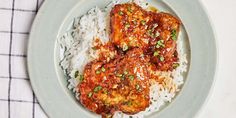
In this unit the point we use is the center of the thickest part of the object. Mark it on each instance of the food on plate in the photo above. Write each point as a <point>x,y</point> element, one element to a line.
<point>124,60</point>
<point>155,33</point>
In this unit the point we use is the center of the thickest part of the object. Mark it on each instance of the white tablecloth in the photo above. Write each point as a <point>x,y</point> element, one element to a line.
<point>16,97</point>
<point>18,101</point>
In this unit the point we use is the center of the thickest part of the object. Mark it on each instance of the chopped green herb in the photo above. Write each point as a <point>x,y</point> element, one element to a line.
<point>134,21</point>
<point>90,94</point>
<point>160,43</point>
<point>123,77</point>
<point>105,91</point>
<point>125,72</point>
<point>125,48</point>
<point>129,103</point>
<point>150,33</point>
<point>142,55</point>
<point>174,34</point>
<point>162,58</point>
<point>143,22</point>
<point>120,13</point>
<point>76,74</point>
<point>156,53</point>
<point>157,34</point>
<point>98,71</point>
<point>118,75</point>
<point>175,65</point>
<point>81,77</point>
<point>94,48</point>
<point>98,88</point>
<point>103,69</point>
<point>127,25</point>
<point>129,9</point>
<point>137,87</point>
<point>131,77</point>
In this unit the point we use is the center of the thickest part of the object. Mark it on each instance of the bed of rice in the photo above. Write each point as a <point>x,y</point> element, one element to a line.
<point>76,51</point>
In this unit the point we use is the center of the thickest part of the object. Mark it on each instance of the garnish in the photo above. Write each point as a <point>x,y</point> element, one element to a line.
<point>119,75</point>
<point>81,77</point>
<point>131,77</point>
<point>125,47</point>
<point>137,87</point>
<point>160,43</point>
<point>94,48</point>
<point>174,34</point>
<point>134,21</point>
<point>175,65</point>
<point>129,9</point>
<point>103,69</point>
<point>125,72</point>
<point>90,94</point>
<point>127,25</point>
<point>162,58</point>
<point>129,103</point>
<point>156,53</point>
<point>76,74</point>
<point>98,88</point>
<point>120,13</point>
<point>143,22</point>
<point>98,71</point>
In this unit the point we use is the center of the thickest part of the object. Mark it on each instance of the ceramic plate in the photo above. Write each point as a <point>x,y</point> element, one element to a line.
<point>55,18</point>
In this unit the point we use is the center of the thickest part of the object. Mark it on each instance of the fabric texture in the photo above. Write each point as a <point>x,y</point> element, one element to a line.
<point>17,99</point>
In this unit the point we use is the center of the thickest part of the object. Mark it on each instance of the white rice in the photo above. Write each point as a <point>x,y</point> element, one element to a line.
<point>76,51</point>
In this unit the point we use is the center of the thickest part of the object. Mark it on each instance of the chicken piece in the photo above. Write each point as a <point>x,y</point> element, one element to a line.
<point>155,33</point>
<point>120,85</point>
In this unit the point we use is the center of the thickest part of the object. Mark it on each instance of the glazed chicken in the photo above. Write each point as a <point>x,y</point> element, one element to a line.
<point>141,42</point>
<point>121,85</point>
<point>155,33</point>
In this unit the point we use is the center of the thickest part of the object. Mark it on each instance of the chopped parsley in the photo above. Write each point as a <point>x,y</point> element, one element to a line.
<point>105,91</point>
<point>175,65</point>
<point>143,22</point>
<point>134,21</point>
<point>129,9</point>
<point>125,72</point>
<point>120,13</point>
<point>137,87</point>
<point>162,58</point>
<point>81,77</point>
<point>125,48</point>
<point>156,53</point>
<point>94,48</point>
<point>129,103</point>
<point>118,75</point>
<point>160,43</point>
<point>76,74</point>
<point>90,94</point>
<point>174,34</point>
<point>123,77</point>
<point>98,71</point>
<point>127,25</point>
<point>97,88</point>
<point>103,69</point>
<point>131,77</point>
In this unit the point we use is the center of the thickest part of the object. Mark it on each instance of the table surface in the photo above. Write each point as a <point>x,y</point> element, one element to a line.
<point>14,78</point>
<point>222,101</point>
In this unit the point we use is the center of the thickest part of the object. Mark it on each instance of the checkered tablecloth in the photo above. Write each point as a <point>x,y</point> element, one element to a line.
<point>17,99</point>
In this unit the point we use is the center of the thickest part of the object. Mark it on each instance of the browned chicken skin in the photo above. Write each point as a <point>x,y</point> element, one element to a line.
<point>140,41</point>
